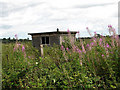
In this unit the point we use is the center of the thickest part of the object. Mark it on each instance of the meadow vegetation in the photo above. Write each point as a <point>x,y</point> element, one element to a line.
<point>94,63</point>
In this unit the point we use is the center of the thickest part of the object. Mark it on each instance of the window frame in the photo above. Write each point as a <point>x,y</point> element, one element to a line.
<point>45,40</point>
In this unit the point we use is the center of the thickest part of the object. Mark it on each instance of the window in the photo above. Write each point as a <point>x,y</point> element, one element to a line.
<point>45,40</point>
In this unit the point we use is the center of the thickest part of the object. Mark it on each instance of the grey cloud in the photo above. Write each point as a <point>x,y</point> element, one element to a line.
<point>27,6</point>
<point>92,5</point>
<point>5,26</point>
<point>5,10</point>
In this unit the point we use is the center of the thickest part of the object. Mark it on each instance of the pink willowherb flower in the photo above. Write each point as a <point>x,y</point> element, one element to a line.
<point>15,35</point>
<point>100,40</point>
<point>68,30</point>
<point>23,48</point>
<point>95,33</point>
<point>88,31</point>
<point>92,43</point>
<point>62,47</point>
<point>109,26</point>
<point>87,45</point>
<point>29,57</point>
<point>86,27</point>
<point>107,45</point>
<point>81,62</point>
<point>90,48</point>
<point>102,55</point>
<point>67,49</point>
<point>14,49</point>
<point>99,43</point>
<point>18,45</point>
<point>79,51</point>
<point>83,49</point>
<point>24,54</point>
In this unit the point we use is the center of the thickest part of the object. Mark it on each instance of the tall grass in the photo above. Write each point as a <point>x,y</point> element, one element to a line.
<point>93,64</point>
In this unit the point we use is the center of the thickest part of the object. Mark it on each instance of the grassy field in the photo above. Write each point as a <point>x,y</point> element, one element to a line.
<point>86,64</point>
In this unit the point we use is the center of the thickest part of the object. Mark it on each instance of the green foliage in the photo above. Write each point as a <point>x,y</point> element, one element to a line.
<point>66,66</point>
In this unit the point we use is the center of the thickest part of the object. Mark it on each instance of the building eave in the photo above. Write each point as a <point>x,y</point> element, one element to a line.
<point>60,32</point>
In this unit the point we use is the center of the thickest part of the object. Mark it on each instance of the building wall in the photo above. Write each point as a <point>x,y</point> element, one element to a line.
<point>53,39</point>
<point>36,42</point>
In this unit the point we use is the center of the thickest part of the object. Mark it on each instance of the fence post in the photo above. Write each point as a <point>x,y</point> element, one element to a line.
<point>41,50</point>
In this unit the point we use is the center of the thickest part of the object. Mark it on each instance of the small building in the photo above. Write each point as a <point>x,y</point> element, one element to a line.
<point>49,38</point>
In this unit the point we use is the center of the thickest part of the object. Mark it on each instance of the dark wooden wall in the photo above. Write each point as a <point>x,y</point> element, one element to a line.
<point>53,39</point>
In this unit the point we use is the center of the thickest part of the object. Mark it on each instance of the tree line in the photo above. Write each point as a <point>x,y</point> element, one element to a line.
<point>10,40</point>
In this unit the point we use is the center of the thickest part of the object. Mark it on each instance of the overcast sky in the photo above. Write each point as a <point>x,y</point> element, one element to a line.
<point>32,16</point>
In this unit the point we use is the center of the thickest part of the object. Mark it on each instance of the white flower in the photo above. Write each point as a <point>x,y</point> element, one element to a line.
<point>36,62</point>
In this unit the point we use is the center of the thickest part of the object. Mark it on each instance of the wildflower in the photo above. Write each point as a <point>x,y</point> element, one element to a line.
<point>62,47</point>
<point>18,44</point>
<point>95,33</point>
<point>94,39</point>
<point>88,45</point>
<point>83,49</point>
<point>75,47</point>
<point>36,62</point>
<point>23,48</point>
<point>92,43</point>
<point>109,26</point>
<point>102,55</point>
<point>107,45</point>
<point>29,57</point>
<point>81,62</point>
<point>15,35</point>
<point>79,51</point>
<point>14,49</point>
<point>68,30</point>
<point>100,40</point>
<point>88,31</point>
<point>24,54</point>
<point>67,49</point>
<point>90,48</point>
<point>63,41</point>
